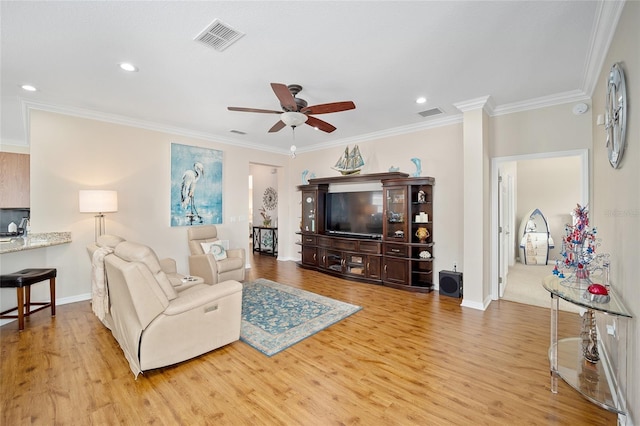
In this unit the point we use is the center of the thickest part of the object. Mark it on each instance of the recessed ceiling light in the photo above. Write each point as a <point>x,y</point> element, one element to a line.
<point>421,100</point>
<point>128,67</point>
<point>28,88</point>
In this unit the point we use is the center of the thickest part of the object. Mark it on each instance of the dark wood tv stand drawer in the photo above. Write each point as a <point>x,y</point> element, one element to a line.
<point>342,244</point>
<point>325,242</point>
<point>399,250</point>
<point>369,247</point>
<point>309,240</point>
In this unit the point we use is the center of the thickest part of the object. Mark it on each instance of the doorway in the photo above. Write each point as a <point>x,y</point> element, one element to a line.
<point>263,208</point>
<point>543,182</point>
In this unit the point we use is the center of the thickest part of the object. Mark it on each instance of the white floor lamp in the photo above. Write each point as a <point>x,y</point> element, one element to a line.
<point>100,202</point>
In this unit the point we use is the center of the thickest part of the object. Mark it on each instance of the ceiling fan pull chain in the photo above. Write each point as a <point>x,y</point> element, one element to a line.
<point>293,146</point>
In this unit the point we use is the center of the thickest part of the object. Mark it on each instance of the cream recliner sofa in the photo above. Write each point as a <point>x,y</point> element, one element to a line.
<point>160,321</point>
<point>205,265</point>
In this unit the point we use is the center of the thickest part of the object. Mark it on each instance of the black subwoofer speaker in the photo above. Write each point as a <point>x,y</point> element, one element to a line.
<point>451,283</point>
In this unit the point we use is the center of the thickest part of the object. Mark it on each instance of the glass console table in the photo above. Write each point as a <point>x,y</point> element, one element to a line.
<point>587,363</point>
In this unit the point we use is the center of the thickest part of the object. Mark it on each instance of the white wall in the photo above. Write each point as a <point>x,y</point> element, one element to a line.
<point>615,209</point>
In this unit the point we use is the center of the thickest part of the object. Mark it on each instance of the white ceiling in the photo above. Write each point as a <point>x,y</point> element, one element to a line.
<point>380,54</point>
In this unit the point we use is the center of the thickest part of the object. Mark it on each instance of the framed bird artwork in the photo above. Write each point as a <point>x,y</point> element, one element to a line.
<point>196,185</point>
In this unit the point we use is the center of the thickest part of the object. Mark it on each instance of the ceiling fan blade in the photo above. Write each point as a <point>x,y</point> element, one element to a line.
<point>284,96</point>
<point>320,125</point>
<point>266,111</point>
<point>277,127</point>
<point>327,108</point>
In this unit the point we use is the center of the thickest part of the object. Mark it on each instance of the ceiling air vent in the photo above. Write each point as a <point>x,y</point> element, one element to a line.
<point>430,112</point>
<point>219,35</point>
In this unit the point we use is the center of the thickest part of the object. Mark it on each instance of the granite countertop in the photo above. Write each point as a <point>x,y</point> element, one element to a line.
<point>34,241</point>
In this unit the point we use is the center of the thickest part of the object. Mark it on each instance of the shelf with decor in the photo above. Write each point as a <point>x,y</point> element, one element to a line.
<point>408,233</point>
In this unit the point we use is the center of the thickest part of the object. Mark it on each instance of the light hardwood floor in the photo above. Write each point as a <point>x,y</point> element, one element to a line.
<point>404,359</point>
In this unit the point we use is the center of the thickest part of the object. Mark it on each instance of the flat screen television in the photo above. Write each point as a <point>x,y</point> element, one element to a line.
<point>357,214</point>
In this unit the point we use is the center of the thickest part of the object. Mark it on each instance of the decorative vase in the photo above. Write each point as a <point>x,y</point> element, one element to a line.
<point>266,223</point>
<point>422,233</point>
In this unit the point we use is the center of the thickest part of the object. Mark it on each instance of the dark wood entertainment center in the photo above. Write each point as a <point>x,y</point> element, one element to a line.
<point>398,258</point>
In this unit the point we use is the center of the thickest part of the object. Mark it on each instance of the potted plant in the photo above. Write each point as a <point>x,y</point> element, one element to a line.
<point>266,217</point>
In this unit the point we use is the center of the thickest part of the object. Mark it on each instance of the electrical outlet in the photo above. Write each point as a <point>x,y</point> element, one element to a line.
<point>455,266</point>
<point>611,330</point>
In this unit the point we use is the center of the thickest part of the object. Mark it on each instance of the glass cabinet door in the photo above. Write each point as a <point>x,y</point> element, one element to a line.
<point>395,228</point>
<point>334,260</point>
<point>355,264</point>
<point>309,203</point>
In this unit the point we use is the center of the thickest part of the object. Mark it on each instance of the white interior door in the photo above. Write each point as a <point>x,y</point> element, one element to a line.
<point>505,212</point>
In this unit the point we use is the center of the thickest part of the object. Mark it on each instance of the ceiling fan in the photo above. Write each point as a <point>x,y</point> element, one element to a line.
<point>295,110</point>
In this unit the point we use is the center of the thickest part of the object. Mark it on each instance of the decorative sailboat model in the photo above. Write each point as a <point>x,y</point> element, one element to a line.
<point>350,162</point>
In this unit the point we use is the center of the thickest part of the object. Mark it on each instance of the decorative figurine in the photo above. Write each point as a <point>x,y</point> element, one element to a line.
<point>350,163</point>
<point>418,164</point>
<point>306,176</point>
<point>424,254</point>
<point>597,293</point>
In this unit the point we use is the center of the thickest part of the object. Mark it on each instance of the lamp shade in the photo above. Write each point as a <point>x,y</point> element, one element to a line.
<point>98,201</point>
<point>293,119</point>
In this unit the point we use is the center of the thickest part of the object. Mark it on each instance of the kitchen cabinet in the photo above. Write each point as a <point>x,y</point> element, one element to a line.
<point>14,180</point>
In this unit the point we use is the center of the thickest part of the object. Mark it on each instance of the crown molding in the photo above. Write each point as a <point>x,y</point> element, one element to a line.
<point>485,102</point>
<point>604,29</point>
<point>542,102</point>
<point>28,105</point>
<point>142,124</point>
<point>396,131</point>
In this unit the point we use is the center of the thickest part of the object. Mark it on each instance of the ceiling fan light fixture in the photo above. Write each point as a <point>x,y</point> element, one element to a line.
<point>293,119</point>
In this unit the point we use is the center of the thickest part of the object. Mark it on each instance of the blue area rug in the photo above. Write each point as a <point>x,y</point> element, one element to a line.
<point>276,316</point>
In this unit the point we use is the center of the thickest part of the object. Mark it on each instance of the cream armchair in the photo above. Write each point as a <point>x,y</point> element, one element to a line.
<point>155,321</point>
<point>203,263</point>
